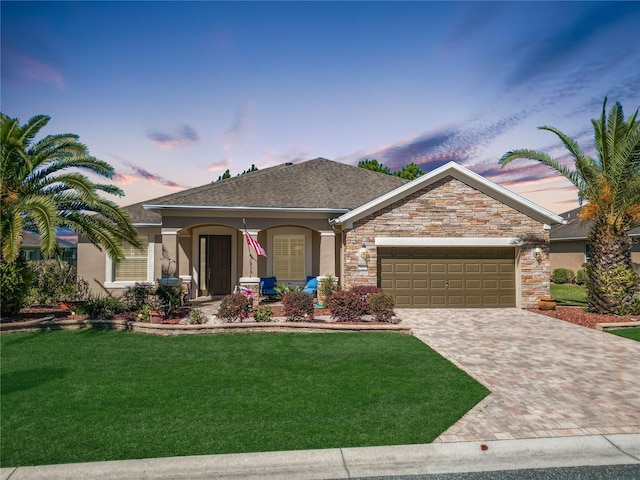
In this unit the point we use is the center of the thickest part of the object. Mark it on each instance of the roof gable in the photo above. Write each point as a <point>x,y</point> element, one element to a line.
<point>464,175</point>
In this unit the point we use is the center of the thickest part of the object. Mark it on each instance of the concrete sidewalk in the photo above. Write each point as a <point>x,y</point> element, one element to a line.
<point>342,463</point>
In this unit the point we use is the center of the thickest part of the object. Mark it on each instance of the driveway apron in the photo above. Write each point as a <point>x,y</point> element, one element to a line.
<point>548,378</point>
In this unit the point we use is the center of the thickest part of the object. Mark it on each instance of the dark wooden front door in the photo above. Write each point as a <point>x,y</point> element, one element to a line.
<point>215,255</point>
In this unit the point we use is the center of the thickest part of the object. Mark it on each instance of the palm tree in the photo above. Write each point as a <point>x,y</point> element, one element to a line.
<point>41,188</point>
<point>610,184</point>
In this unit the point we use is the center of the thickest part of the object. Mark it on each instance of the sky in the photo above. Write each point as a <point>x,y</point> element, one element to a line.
<point>174,93</point>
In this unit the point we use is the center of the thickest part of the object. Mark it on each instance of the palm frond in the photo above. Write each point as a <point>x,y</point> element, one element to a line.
<point>546,159</point>
<point>569,143</point>
<point>43,212</point>
<point>12,226</point>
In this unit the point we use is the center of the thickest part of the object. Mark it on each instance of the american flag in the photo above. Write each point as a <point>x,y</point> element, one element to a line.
<point>257,248</point>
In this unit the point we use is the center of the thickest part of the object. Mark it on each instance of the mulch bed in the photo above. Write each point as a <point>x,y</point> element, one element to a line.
<point>574,315</point>
<point>578,316</point>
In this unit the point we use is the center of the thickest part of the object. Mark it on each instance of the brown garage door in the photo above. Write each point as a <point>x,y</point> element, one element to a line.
<point>448,277</point>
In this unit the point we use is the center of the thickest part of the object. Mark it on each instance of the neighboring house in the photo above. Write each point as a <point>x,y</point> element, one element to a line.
<point>570,247</point>
<point>67,249</point>
<point>450,238</point>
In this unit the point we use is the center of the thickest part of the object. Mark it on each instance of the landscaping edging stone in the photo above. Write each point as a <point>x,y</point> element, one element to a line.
<point>177,329</point>
<point>617,325</point>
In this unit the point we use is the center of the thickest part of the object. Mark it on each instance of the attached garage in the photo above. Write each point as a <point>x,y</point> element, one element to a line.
<point>449,277</point>
<point>449,239</point>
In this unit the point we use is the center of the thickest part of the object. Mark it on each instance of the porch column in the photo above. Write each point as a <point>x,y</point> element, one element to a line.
<point>169,258</point>
<point>249,258</point>
<point>250,277</point>
<point>184,256</point>
<point>327,253</point>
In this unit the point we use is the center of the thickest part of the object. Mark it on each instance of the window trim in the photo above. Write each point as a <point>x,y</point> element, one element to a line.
<point>110,282</point>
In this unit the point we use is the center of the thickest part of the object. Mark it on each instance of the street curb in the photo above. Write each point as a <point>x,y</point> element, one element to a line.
<point>338,463</point>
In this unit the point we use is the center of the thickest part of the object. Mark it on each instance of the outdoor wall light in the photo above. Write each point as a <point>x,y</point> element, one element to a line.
<point>537,254</point>
<point>363,258</point>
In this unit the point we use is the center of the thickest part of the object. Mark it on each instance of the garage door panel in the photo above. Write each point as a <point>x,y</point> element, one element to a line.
<point>507,268</point>
<point>489,268</point>
<point>474,284</point>
<point>420,283</point>
<point>472,268</point>
<point>420,267</point>
<point>437,268</point>
<point>446,277</point>
<point>455,268</point>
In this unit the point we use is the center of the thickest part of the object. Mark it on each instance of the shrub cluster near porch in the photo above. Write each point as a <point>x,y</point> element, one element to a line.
<point>97,395</point>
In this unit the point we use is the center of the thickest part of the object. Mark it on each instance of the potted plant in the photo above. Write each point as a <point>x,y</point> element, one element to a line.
<point>547,303</point>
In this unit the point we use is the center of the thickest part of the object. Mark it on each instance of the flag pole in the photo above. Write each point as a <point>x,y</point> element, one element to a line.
<point>248,248</point>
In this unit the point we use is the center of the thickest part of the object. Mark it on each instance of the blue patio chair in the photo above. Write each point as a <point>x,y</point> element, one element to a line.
<point>312,286</point>
<point>268,286</point>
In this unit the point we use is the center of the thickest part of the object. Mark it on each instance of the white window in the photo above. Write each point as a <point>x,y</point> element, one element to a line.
<point>134,266</point>
<point>289,257</point>
<point>137,265</point>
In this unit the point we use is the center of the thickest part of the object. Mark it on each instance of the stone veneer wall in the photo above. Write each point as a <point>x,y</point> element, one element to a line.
<point>450,208</point>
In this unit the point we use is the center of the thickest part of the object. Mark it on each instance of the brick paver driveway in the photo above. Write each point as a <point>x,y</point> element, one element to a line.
<point>547,377</point>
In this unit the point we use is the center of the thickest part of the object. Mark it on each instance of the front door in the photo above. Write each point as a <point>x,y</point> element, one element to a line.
<point>215,264</point>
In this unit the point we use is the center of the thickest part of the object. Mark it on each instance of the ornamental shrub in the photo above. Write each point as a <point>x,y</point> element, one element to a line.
<point>53,280</point>
<point>381,306</point>
<point>15,280</point>
<point>346,306</point>
<point>562,275</point>
<point>296,304</point>
<point>196,317</point>
<point>103,307</point>
<point>365,292</point>
<point>233,307</point>
<point>170,297</point>
<point>326,287</point>
<point>263,314</point>
<point>139,295</point>
<point>582,277</point>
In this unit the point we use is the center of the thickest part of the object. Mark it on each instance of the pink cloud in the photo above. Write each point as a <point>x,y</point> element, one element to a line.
<point>140,174</point>
<point>21,69</point>
<point>219,166</point>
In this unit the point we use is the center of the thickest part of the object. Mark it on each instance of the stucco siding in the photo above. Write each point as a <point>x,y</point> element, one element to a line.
<point>91,266</point>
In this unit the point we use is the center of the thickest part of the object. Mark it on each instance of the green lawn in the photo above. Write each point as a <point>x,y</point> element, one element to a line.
<point>77,396</point>
<point>632,333</point>
<point>569,295</point>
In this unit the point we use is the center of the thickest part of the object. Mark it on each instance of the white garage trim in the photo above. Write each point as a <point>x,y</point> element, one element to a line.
<point>447,241</point>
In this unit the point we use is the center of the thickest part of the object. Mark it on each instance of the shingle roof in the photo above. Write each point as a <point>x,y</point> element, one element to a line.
<point>575,228</point>
<point>313,184</point>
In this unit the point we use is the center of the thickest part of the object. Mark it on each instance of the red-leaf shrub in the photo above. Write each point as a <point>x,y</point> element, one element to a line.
<point>296,304</point>
<point>346,306</point>
<point>381,306</point>
<point>234,307</point>
<point>365,292</point>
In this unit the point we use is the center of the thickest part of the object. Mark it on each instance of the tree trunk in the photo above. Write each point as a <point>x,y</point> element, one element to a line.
<point>612,284</point>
